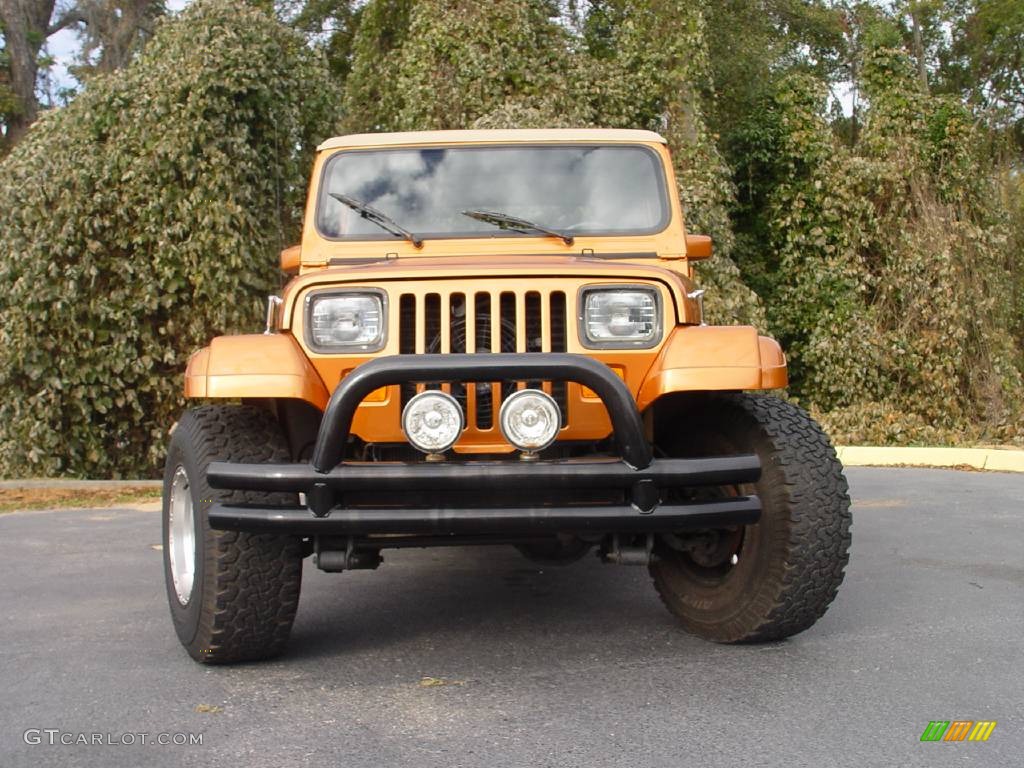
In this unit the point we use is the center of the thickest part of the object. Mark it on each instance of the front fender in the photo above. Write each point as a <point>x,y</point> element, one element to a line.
<point>254,366</point>
<point>714,357</point>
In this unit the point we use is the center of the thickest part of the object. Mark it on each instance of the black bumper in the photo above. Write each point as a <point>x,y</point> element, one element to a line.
<point>487,497</point>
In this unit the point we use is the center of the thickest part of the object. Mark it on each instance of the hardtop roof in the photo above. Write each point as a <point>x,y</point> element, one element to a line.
<point>501,136</point>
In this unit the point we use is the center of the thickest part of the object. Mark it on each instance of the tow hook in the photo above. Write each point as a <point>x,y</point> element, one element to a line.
<point>628,550</point>
<point>334,556</point>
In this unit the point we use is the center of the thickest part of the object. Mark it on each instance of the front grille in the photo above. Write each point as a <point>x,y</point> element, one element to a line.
<point>484,322</point>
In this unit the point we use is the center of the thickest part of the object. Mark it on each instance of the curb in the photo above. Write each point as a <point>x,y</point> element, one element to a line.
<point>79,485</point>
<point>991,459</point>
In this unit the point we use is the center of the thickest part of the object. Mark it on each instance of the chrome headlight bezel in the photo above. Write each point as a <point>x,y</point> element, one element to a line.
<point>583,326</point>
<point>375,345</point>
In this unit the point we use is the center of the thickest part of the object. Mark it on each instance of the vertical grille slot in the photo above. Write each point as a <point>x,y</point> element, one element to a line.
<point>407,324</point>
<point>512,339</point>
<point>432,330</point>
<point>482,327</point>
<point>457,333</point>
<point>533,328</point>
<point>432,323</point>
<point>456,314</point>
<point>557,335</point>
<point>507,319</point>
<point>483,406</point>
<point>407,338</point>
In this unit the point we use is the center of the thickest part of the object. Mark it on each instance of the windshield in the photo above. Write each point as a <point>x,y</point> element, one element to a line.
<point>582,190</point>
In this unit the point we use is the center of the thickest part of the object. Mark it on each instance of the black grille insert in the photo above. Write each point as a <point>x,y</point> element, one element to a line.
<point>509,326</point>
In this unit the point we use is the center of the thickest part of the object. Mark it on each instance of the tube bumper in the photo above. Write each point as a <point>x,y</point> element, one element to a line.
<point>634,493</point>
<point>743,510</point>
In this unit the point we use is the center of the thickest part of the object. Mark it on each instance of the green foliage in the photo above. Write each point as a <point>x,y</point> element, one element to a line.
<point>8,104</point>
<point>431,64</point>
<point>371,99</point>
<point>331,25</point>
<point>984,60</point>
<point>891,290</point>
<point>112,33</point>
<point>141,220</point>
<point>465,59</point>
<point>752,43</point>
<point>1012,190</point>
<point>662,87</point>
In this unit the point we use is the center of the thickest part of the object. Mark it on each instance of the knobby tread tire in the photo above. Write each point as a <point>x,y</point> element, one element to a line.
<point>247,584</point>
<point>805,543</point>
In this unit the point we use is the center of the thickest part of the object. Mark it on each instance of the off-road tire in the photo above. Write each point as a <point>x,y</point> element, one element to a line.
<point>790,564</point>
<point>246,586</point>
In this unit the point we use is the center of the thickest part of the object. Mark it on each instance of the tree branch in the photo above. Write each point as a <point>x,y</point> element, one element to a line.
<point>69,18</point>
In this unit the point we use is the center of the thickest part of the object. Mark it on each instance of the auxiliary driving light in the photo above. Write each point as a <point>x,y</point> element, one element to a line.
<point>432,421</point>
<point>530,420</point>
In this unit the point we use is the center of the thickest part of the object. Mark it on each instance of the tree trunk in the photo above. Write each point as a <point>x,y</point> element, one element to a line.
<point>116,29</point>
<point>855,101</point>
<point>922,70</point>
<point>26,24</point>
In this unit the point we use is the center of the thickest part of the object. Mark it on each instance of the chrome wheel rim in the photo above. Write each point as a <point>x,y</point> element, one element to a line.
<point>181,533</point>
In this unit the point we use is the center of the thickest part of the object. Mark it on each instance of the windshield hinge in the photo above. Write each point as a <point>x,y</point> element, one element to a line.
<point>273,302</point>
<point>698,296</point>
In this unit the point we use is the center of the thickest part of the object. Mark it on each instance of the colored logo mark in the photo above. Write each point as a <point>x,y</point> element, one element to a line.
<point>958,730</point>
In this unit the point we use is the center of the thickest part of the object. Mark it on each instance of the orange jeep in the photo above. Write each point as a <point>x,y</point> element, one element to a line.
<point>494,337</point>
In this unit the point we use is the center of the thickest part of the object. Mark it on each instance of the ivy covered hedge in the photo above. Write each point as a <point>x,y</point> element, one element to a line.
<point>888,268</point>
<point>139,221</point>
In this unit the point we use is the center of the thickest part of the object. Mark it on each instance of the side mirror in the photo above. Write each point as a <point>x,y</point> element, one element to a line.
<point>290,259</point>
<point>698,247</point>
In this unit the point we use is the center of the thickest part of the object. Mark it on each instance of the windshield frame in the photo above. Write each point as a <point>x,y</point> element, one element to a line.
<point>660,178</point>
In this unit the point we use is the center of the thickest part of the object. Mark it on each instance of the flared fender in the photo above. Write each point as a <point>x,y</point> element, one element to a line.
<point>256,366</point>
<point>714,357</point>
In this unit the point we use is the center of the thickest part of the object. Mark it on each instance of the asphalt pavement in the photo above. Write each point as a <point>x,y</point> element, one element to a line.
<point>476,657</point>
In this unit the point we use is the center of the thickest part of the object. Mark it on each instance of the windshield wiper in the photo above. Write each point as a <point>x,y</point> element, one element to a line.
<point>504,221</point>
<point>379,218</point>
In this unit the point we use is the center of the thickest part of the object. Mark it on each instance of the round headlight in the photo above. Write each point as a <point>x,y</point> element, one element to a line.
<point>432,421</point>
<point>530,419</point>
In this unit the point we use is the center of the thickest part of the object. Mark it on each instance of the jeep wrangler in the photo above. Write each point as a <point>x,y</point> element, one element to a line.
<point>494,337</point>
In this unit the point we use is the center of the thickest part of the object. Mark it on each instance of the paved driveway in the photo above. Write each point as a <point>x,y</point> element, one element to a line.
<point>577,666</point>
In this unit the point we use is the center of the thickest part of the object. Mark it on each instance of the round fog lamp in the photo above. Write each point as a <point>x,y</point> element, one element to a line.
<point>432,421</point>
<point>530,419</point>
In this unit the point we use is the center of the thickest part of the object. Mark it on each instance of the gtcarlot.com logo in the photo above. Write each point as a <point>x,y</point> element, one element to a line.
<point>958,730</point>
<point>56,737</point>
